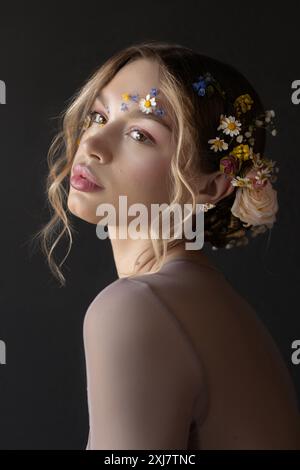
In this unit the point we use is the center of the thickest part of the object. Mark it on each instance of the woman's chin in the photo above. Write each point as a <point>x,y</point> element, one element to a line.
<point>82,210</point>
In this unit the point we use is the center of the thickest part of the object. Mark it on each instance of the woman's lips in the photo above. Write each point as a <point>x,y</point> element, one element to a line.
<point>83,180</point>
<point>83,184</point>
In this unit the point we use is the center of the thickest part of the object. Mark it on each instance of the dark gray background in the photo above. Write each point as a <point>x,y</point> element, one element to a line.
<point>46,54</point>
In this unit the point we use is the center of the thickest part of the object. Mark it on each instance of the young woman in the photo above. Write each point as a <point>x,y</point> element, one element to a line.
<point>175,357</point>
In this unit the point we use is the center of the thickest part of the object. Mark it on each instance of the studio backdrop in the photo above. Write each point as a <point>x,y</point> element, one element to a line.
<point>47,51</point>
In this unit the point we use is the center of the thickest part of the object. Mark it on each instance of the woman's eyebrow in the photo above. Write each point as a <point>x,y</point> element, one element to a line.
<point>135,112</point>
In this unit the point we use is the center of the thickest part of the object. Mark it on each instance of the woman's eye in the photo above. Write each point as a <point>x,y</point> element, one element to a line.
<point>138,133</point>
<point>92,117</point>
<point>97,117</point>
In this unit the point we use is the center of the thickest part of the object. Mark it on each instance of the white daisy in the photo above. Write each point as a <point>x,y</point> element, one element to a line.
<point>218,144</point>
<point>241,182</point>
<point>147,104</point>
<point>230,125</point>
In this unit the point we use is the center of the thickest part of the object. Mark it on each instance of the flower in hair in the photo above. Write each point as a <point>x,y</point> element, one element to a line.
<point>229,165</point>
<point>256,206</point>
<point>243,103</point>
<point>218,144</point>
<point>206,84</point>
<point>230,125</point>
<point>255,202</point>
<point>242,152</point>
<point>242,182</point>
<point>200,86</point>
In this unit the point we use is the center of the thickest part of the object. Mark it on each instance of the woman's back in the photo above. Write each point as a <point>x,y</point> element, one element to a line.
<point>250,393</point>
<point>239,391</point>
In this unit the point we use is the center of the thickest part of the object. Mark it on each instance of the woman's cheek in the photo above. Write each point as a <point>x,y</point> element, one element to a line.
<point>148,170</point>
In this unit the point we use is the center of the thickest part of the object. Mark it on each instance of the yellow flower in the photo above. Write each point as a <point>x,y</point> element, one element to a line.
<point>125,96</point>
<point>243,103</point>
<point>242,152</point>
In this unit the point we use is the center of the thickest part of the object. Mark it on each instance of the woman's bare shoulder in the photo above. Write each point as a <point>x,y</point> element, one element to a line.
<point>133,349</point>
<point>119,302</point>
<point>132,308</point>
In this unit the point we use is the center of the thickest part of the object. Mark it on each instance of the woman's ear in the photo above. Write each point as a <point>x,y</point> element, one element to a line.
<point>214,187</point>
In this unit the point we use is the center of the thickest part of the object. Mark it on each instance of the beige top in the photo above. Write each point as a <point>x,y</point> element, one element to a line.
<point>179,360</point>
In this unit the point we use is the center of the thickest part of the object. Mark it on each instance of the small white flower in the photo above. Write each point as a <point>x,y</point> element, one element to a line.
<point>147,104</point>
<point>218,144</point>
<point>252,141</point>
<point>229,245</point>
<point>230,125</point>
<point>263,174</point>
<point>248,134</point>
<point>258,122</point>
<point>267,119</point>
<point>270,113</point>
<point>240,138</point>
<point>241,182</point>
<point>274,132</point>
<point>257,161</point>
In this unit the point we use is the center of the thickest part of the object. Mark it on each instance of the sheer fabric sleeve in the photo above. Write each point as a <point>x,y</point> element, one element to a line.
<point>142,376</point>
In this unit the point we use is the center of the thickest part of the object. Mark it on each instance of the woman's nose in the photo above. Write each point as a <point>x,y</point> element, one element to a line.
<point>94,147</point>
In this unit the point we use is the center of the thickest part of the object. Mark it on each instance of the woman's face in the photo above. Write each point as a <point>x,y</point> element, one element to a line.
<point>131,153</point>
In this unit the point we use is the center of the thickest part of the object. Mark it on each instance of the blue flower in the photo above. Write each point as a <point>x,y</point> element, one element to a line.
<point>134,97</point>
<point>124,107</point>
<point>159,112</point>
<point>201,85</point>
<point>153,92</point>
